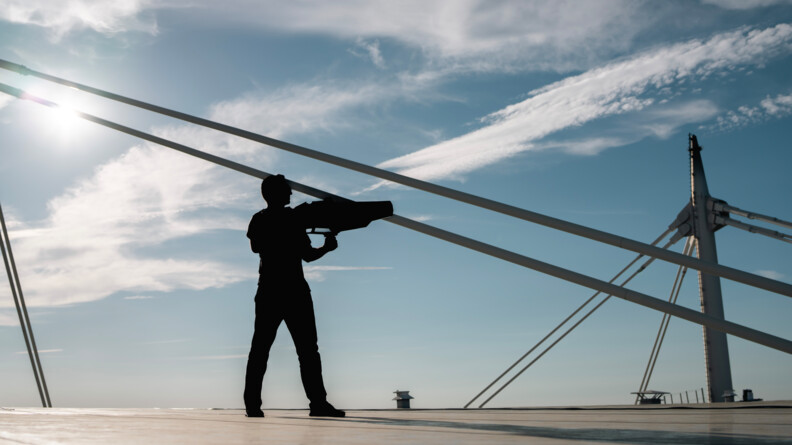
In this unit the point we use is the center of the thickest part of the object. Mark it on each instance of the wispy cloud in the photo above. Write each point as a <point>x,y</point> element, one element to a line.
<point>772,274</point>
<point>61,17</point>
<point>660,121</point>
<point>138,297</point>
<point>370,50</point>
<point>746,4</point>
<point>769,108</point>
<point>299,108</point>
<point>318,273</point>
<point>618,88</point>
<point>778,106</point>
<point>143,198</point>
<point>42,351</point>
<point>471,35</point>
<point>421,218</point>
<point>215,357</point>
<point>463,35</point>
<point>97,228</point>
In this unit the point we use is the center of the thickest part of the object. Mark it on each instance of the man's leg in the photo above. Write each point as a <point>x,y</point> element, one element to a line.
<point>302,325</point>
<point>268,318</point>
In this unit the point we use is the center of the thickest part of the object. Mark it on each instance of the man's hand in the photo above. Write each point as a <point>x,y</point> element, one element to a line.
<point>330,243</point>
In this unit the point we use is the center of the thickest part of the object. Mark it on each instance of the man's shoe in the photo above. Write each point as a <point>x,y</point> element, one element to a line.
<point>254,413</point>
<point>324,409</point>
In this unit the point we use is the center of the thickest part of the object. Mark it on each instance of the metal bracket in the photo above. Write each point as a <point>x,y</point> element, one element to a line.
<point>683,224</point>
<point>716,210</point>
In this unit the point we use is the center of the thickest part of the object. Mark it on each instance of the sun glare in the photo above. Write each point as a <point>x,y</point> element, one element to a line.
<point>61,123</point>
<point>63,119</point>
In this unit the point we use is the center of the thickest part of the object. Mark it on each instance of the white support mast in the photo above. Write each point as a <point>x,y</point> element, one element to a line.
<point>716,348</point>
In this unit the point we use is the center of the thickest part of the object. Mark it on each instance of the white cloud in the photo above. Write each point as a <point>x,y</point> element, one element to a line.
<point>451,35</point>
<point>421,218</point>
<point>661,121</point>
<point>89,245</point>
<point>84,250</point>
<point>299,108</point>
<point>740,117</point>
<point>61,17</point>
<point>292,109</point>
<point>780,105</point>
<point>477,35</point>
<point>372,51</point>
<point>771,274</point>
<point>617,88</point>
<point>317,273</point>
<point>470,34</point>
<point>138,297</point>
<point>746,4</point>
<point>42,351</point>
<point>216,357</point>
<point>769,108</point>
<point>587,146</point>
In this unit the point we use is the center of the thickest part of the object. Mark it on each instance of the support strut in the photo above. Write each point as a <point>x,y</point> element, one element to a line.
<point>716,347</point>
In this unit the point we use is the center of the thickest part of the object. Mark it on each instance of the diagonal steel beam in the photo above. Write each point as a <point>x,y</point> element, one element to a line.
<point>728,327</point>
<point>489,204</point>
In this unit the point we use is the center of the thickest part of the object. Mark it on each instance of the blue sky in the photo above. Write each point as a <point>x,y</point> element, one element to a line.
<point>134,261</point>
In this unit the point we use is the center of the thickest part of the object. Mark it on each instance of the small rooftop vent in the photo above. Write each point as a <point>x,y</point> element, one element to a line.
<point>402,399</point>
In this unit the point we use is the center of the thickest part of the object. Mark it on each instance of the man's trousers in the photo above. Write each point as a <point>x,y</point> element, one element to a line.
<point>294,306</point>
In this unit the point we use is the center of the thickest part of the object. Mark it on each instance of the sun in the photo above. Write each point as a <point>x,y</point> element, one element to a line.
<point>64,119</point>
<point>62,122</point>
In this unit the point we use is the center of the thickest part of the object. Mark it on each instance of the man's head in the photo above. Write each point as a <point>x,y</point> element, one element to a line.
<point>276,191</point>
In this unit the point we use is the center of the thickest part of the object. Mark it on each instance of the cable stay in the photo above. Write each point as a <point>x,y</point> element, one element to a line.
<point>721,216</point>
<point>22,313</point>
<point>675,288</point>
<point>723,207</point>
<point>672,241</point>
<point>499,207</point>
<point>562,323</point>
<point>753,229</point>
<point>715,323</point>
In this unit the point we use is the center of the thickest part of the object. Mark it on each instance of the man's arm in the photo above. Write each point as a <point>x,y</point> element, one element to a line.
<point>314,254</point>
<point>253,233</point>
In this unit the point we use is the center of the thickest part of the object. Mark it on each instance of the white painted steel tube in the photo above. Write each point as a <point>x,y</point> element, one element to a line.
<point>676,288</point>
<point>24,320</point>
<point>506,209</point>
<point>644,382</point>
<point>569,317</point>
<point>573,327</point>
<point>594,283</point>
<point>728,327</point>
<point>753,215</point>
<point>754,229</point>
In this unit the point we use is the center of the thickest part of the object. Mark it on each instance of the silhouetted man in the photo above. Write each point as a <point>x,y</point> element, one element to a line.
<point>277,234</point>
